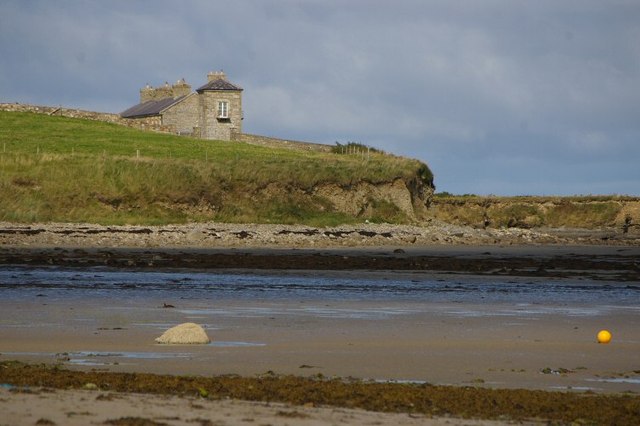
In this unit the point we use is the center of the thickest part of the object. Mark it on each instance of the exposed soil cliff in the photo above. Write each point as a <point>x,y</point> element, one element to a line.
<point>621,213</point>
<point>366,200</point>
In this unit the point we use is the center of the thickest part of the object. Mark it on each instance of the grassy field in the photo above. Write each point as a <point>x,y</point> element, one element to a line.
<point>72,170</point>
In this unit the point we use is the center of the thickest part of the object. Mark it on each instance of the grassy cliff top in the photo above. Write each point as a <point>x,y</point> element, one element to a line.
<point>73,170</point>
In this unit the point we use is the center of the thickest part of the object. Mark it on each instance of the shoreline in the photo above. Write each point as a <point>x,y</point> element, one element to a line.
<point>602,263</point>
<point>229,235</point>
<point>437,247</point>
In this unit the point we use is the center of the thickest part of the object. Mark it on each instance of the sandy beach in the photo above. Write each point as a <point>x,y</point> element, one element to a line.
<point>477,347</point>
<point>83,407</point>
<point>501,346</point>
<point>487,344</point>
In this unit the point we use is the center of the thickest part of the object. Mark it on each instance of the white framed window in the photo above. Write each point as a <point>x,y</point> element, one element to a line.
<point>223,109</point>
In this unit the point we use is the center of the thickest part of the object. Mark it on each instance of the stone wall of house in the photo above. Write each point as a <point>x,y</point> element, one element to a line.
<point>279,143</point>
<point>148,123</point>
<point>212,127</point>
<point>153,123</point>
<point>183,117</point>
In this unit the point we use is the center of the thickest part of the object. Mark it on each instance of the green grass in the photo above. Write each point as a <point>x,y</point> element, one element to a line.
<point>72,170</point>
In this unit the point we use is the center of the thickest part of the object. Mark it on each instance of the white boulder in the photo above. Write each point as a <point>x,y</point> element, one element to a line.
<point>184,334</point>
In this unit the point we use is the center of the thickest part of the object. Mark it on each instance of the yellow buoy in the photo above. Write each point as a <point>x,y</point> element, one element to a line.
<point>604,336</point>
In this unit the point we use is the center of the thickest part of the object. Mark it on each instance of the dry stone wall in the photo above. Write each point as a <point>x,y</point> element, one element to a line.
<point>149,123</point>
<point>278,143</point>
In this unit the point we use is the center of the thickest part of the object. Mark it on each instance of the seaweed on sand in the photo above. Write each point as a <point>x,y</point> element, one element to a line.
<point>467,402</point>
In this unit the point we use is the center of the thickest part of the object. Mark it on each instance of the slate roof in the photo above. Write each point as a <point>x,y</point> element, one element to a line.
<point>219,84</point>
<point>150,108</point>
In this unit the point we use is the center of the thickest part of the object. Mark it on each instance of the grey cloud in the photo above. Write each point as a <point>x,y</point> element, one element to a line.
<point>489,93</point>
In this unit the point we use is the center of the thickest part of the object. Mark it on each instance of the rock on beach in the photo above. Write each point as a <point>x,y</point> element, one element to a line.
<point>184,334</point>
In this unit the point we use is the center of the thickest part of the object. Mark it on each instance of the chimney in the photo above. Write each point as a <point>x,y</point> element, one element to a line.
<point>181,88</point>
<point>164,91</point>
<point>216,75</point>
<point>147,93</point>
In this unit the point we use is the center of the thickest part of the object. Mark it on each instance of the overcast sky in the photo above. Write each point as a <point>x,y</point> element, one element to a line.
<point>506,97</point>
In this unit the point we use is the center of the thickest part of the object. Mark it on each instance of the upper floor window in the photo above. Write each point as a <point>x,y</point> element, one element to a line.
<point>223,109</point>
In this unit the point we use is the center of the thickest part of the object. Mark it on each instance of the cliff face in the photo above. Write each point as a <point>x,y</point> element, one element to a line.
<point>363,198</point>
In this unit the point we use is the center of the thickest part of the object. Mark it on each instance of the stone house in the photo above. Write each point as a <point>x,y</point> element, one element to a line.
<point>213,111</point>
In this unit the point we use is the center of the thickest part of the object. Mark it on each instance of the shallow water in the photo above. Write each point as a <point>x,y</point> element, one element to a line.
<point>23,283</point>
<point>249,314</point>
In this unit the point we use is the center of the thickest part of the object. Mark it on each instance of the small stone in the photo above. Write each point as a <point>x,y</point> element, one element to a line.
<point>184,334</point>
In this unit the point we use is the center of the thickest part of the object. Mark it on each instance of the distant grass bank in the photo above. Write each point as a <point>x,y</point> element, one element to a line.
<point>589,212</point>
<point>72,170</point>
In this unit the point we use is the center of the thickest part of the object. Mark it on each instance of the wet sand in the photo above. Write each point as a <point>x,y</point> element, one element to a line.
<point>498,345</point>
